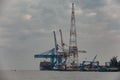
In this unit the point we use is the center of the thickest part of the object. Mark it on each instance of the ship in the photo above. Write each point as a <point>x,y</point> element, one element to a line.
<point>45,65</point>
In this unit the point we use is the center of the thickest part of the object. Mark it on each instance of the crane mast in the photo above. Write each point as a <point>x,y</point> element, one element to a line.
<point>73,49</point>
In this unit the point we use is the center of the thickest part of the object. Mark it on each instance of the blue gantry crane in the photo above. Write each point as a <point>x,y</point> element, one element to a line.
<point>55,58</point>
<point>49,54</point>
<point>54,55</point>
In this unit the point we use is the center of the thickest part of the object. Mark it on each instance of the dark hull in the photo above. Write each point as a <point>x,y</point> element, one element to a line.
<point>45,66</point>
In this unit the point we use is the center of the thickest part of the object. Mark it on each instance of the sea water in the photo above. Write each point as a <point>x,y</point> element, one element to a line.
<point>57,75</point>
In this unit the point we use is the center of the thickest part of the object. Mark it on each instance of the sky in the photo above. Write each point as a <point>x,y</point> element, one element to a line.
<point>26,29</point>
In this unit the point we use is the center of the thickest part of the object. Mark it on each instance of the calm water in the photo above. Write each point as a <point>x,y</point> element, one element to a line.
<point>56,75</point>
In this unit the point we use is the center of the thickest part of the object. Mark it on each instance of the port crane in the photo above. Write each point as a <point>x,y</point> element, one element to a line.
<point>48,54</point>
<point>53,54</point>
<point>90,65</point>
<point>67,58</point>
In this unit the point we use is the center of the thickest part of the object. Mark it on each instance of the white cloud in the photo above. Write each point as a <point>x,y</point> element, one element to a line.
<point>112,9</point>
<point>27,17</point>
<point>91,14</point>
<point>40,31</point>
<point>78,11</point>
<point>115,16</point>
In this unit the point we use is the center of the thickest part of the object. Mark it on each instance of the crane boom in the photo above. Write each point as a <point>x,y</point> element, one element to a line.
<point>94,58</point>
<point>62,43</point>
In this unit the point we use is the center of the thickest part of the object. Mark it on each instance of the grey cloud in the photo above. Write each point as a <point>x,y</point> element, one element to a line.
<point>35,35</point>
<point>3,4</point>
<point>91,4</point>
<point>117,1</point>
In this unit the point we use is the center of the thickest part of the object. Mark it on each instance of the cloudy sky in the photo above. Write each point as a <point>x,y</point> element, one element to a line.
<point>26,28</point>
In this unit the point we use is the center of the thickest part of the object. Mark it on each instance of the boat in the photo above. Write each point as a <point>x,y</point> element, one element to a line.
<point>45,65</point>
